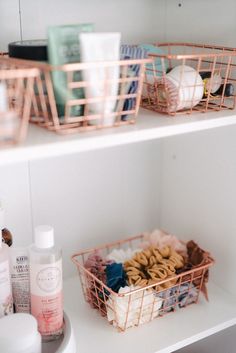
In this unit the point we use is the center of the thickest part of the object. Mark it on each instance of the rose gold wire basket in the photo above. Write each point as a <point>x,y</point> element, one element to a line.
<point>188,78</point>
<point>16,92</point>
<point>126,100</point>
<point>140,305</point>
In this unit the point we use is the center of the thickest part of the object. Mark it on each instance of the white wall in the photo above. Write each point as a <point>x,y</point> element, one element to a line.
<point>198,189</point>
<point>211,21</point>
<point>137,20</point>
<point>91,198</point>
<point>204,21</point>
<point>16,199</point>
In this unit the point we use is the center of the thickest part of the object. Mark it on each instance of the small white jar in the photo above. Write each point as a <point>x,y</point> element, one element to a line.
<point>19,334</point>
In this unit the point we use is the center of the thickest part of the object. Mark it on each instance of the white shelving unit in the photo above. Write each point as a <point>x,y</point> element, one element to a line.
<point>195,322</point>
<point>41,143</point>
<point>176,173</point>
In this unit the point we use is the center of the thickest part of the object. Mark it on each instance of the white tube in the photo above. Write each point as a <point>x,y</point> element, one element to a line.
<point>101,47</point>
<point>19,268</point>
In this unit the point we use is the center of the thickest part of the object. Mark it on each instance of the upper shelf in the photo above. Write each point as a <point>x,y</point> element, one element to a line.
<point>163,335</point>
<point>41,143</point>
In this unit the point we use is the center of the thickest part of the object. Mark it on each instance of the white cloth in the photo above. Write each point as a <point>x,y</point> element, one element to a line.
<point>141,307</point>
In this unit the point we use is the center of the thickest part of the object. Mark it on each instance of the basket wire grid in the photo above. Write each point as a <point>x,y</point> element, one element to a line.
<point>140,305</point>
<point>129,89</point>
<point>162,93</point>
<point>17,89</point>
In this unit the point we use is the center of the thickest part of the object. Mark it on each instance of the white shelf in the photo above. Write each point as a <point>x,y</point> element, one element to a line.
<point>163,335</point>
<point>41,143</point>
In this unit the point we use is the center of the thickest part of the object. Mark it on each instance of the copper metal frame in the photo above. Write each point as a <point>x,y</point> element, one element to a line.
<point>19,86</point>
<point>45,110</point>
<point>214,59</point>
<point>97,293</point>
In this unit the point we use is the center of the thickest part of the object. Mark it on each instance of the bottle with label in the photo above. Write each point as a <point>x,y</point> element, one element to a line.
<point>6,302</point>
<point>46,284</point>
<point>5,233</point>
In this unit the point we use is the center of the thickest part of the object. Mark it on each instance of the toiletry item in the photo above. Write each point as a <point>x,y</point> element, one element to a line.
<point>19,269</point>
<point>35,49</point>
<point>182,88</point>
<point>9,121</point>
<point>46,284</point>
<point>211,82</point>
<point>6,303</point>
<point>102,81</point>
<point>19,334</point>
<point>64,48</point>
<point>6,234</point>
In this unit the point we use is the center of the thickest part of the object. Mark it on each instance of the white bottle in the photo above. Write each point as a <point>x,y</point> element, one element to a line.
<point>6,302</point>
<point>46,284</point>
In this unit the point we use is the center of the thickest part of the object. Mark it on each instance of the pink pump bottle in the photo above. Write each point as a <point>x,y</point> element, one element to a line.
<point>46,284</point>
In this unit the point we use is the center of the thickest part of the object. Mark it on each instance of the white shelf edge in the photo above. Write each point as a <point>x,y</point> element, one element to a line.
<point>199,337</point>
<point>177,329</point>
<point>43,144</point>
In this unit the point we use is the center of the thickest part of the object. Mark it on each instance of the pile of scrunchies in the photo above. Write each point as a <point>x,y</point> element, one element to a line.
<point>145,279</point>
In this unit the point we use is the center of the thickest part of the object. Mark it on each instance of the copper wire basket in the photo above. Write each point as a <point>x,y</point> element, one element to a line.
<point>16,94</point>
<point>126,100</point>
<point>188,78</point>
<point>140,305</point>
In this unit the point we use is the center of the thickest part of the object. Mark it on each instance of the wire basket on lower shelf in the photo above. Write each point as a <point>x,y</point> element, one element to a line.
<point>86,96</point>
<point>188,78</point>
<point>134,305</point>
<point>16,94</point>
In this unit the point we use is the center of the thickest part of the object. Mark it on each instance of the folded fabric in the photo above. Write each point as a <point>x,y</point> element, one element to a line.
<point>115,276</point>
<point>188,294</point>
<point>121,255</point>
<point>178,297</point>
<point>128,52</point>
<point>160,239</point>
<point>134,309</point>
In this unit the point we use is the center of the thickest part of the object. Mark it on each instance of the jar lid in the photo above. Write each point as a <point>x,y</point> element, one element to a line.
<point>35,49</point>
<point>17,332</point>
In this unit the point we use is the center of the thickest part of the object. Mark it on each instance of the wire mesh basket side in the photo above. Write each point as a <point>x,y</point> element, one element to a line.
<point>190,78</point>
<point>114,102</point>
<point>139,305</point>
<point>16,91</point>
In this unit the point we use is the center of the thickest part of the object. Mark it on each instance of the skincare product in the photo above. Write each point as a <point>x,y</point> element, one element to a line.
<point>19,269</point>
<point>64,48</point>
<point>9,120</point>
<point>6,304</point>
<point>19,334</point>
<point>6,234</point>
<point>102,81</point>
<point>46,284</point>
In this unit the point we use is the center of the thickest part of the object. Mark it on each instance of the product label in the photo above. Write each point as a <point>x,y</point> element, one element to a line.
<point>6,303</point>
<point>20,283</point>
<point>46,297</point>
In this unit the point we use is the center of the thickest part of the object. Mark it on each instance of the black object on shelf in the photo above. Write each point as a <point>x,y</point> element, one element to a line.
<point>29,49</point>
<point>229,90</point>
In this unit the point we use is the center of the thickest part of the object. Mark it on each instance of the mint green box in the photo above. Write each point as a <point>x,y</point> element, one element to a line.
<point>64,48</point>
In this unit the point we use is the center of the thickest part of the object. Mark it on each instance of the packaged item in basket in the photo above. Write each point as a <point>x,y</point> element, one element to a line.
<point>102,81</point>
<point>128,52</point>
<point>182,88</point>
<point>64,48</point>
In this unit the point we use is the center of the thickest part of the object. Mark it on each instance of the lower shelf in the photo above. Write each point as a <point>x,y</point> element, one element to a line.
<point>164,335</point>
